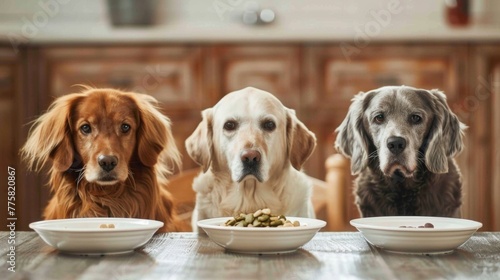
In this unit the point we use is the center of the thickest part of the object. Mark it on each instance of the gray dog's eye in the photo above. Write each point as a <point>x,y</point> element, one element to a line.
<point>379,118</point>
<point>268,125</point>
<point>230,125</point>
<point>415,119</point>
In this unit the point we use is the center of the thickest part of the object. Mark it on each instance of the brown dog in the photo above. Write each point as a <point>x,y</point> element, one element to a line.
<point>109,154</point>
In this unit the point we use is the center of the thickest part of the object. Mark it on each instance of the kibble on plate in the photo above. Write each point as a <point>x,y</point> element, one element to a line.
<point>107,226</point>
<point>426,225</point>
<point>260,218</point>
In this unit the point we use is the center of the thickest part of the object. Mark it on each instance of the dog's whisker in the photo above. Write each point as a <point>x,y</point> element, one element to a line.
<point>81,175</point>
<point>420,157</point>
<point>373,154</point>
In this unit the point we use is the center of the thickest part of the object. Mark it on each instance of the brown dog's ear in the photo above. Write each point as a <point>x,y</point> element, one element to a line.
<point>445,138</point>
<point>155,140</point>
<point>352,140</point>
<point>300,140</point>
<point>199,144</point>
<point>50,136</point>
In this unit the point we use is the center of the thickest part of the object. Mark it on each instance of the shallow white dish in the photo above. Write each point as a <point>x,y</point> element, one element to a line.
<point>255,240</point>
<point>386,233</point>
<point>83,236</point>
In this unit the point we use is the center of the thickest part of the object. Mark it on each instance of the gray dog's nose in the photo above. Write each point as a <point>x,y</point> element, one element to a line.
<point>396,144</point>
<point>107,163</point>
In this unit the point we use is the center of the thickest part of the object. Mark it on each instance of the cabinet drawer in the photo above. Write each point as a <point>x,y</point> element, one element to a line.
<point>333,80</point>
<point>171,75</point>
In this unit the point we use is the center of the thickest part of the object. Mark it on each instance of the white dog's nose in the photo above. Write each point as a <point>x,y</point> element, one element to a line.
<point>250,157</point>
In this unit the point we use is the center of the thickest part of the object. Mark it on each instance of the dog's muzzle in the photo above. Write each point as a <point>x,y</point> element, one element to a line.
<point>397,167</point>
<point>250,160</point>
<point>396,145</point>
<point>107,164</point>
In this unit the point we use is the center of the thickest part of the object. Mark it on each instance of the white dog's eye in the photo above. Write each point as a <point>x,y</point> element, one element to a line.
<point>268,125</point>
<point>415,119</point>
<point>230,125</point>
<point>379,118</point>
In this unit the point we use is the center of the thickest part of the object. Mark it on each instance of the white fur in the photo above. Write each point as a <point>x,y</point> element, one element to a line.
<point>223,189</point>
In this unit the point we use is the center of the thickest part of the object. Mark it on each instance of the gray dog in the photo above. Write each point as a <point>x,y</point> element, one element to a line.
<point>401,141</point>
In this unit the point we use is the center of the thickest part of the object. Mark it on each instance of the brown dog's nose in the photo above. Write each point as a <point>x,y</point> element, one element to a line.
<point>250,157</point>
<point>107,163</point>
<point>396,144</point>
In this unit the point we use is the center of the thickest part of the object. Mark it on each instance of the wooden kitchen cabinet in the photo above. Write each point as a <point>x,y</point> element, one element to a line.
<point>273,68</point>
<point>480,108</point>
<point>316,80</point>
<point>15,107</point>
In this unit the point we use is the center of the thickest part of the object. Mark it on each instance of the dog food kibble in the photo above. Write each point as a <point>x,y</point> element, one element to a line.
<point>107,226</point>
<point>426,225</point>
<point>260,218</point>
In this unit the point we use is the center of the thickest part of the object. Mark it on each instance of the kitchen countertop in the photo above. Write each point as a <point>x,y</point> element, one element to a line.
<point>358,22</point>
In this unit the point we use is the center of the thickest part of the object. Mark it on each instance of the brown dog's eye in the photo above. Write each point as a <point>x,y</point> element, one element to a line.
<point>125,128</point>
<point>85,129</point>
<point>268,125</point>
<point>415,119</point>
<point>230,125</point>
<point>379,119</point>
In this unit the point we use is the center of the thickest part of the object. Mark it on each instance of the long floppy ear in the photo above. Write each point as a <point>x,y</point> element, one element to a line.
<point>50,136</point>
<point>445,138</point>
<point>155,140</point>
<point>352,140</point>
<point>300,140</point>
<point>199,144</point>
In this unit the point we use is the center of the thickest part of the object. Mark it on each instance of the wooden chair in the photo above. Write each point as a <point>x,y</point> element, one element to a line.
<point>180,186</point>
<point>328,196</point>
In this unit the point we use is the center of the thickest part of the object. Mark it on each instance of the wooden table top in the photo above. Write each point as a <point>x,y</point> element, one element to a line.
<point>329,255</point>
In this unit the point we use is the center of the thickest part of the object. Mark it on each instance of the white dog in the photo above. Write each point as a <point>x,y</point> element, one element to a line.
<point>251,148</point>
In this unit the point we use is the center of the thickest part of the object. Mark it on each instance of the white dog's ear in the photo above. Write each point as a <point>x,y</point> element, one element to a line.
<point>445,138</point>
<point>300,140</point>
<point>199,144</point>
<point>352,140</point>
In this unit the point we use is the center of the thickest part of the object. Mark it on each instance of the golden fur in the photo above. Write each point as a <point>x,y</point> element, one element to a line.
<point>109,153</point>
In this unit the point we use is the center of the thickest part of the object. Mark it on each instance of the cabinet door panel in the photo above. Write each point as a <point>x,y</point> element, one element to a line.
<point>333,80</point>
<point>12,115</point>
<point>170,74</point>
<point>481,110</point>
<point>271,68</point>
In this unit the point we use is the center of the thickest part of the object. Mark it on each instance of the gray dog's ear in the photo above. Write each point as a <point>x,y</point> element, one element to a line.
<point>199,145</point>
<point>445,138</point>
<point>352,140</point>
<point>300,140</point>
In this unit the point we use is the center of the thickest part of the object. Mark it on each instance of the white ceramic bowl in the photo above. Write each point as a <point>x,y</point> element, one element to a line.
<point>386,233</point>
<point>83,236</point>
<point>256,240</point>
